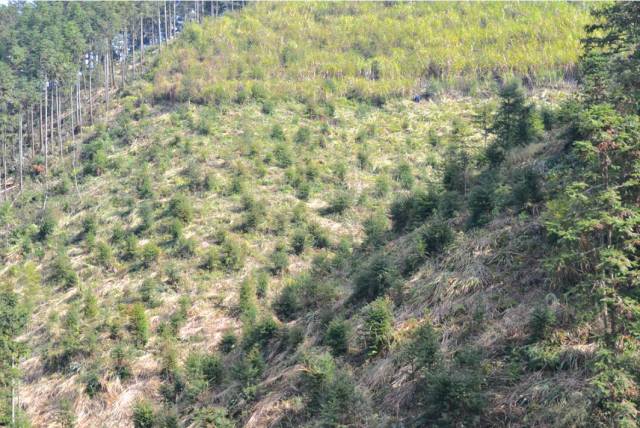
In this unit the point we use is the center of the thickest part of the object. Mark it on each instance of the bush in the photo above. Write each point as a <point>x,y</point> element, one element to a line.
<point>287,304</point>
<point>89,227</point>
<point>143,416</point>
<point>92,384</point>
<point>404,175</point>
<point>186,247</point>
<point>333,397</point>
<point>146,216</point>
<point>131,249</point>
<point>255,213</point>
<point>319,236</point>
<point>423,351</point>
<point>228,341</point>
<point>340,202</point>
<point>121,364</point>
<point>542,321</point>
<point>247,301</point>
<point>62,272</point>
<point>527,189</point>
<point>277,133</point>
<point>279,258</point>
<point>436,235</point>
<point>375,278</point>
<point>283,155</point>
<point>180,207</point>
<point>139,325</point>
<point>299,241</point>
<point>48,223</point>
<point>481,203</point>
<point>104,254</point>
<point>409,211</point>
<point>148,290</point>
<point>231,255</point>
<point>150,253</point>
<point>337,336</point>
<point>375,229</point>
<point>378,327</point>
<point>302,136</point>
<point>250,368</point>
<point>262,284</point>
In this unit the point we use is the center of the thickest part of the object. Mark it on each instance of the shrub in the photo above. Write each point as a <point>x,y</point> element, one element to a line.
<point>247,301</point>
<point>527,189</point>
<point>542,321</point>
<point>375,278</point>
<point>181,208</point>
<point>302,136</point>
<point>121,364</point>
<point>148,290</point>
<point>131,249</point>
<point>89,227</point>
<point>62,272</point>
<point>375,229</point>
<point>279,258</point>
<point>104,254</point>
<point>277,133</point>
<point>145,189</point>
<point>382,185</point>
<point>262,284</point>
<point>404,175</point>
<point>283,155</point>
<point>299,241</point>
<point>436,235</point>
<point>333,396</point>
<point>337,336</point>
<point>319,236</point>
<point>231,254</point>
<point>423,351</point>
<point>340,202</point>
<point>146,216</point>
<point>481,203</point>
<point>378,327</point>
<point>255,213</point>
<point>452,397</point>
<point>409,211</point>
<point>149,254</point>
<point>250,368</point>
<point>139,325</point>
<point>143,416</point>
<point>48,223</point>
<point>210,260</point>
<point>287,304</point>
<point>92,384</point>
<point>186,247</point>
<point>228,341</point>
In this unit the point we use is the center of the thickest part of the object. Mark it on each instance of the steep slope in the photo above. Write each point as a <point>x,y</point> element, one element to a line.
<point>256,240</point>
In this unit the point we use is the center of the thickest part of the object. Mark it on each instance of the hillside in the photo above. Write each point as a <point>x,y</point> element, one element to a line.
<point>266,228</point>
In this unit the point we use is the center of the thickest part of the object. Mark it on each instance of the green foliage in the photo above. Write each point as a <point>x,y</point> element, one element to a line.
<point>542,321</point>
<point>250,368</point>
<point>340,202</point>
<point>279,258</point>
<point>378,326</point>
<point>404,175</point>
<point>337,336</point>
<point>409,211</point>
<point>181,207</point>
<point>231,254</point>
<point>149,254</point>
<point>333,397</point>
<point>228,341</point>
<point>139,325</point>
<point>143,415</point>
<point>48,223</point>
<point>375,229</point>
<point>423,350</point>
<point>375,278</point>
<point>62,272</point>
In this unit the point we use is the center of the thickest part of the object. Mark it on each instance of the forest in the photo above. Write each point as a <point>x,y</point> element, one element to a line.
<point>319,214</point>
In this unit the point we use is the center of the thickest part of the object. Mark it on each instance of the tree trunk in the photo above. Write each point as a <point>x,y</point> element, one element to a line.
<point>40,126</point>
<point>166,25</point>
<point>58,107</point>
<point>91,67</point>
<point>33,135</point>
<point>141,44</point>
<point>21,159</point>
<point>46,127</point>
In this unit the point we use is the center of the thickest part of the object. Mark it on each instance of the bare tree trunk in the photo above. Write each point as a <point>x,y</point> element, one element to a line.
<point>20,142</point>
<point>4,163</point>
<point>40,126</point>
<point>106,83</point>
<point>58,105</point>
<point>73,135</point>
<point>159,29</point>
<point>175,22</point>
<point>33,135</point>
<point>141,44</point>
<point>166,26</point>
<point>123,61</point>
<point>46,128</point>
<point>90,90</point>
